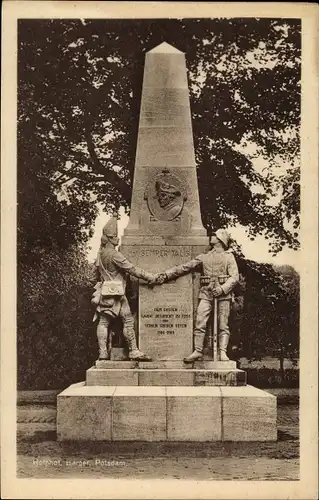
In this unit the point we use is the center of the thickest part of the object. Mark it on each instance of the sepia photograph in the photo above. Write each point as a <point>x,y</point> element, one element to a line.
<point>159,251</point>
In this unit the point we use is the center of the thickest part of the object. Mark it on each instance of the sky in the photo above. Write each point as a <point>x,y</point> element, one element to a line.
<point>255,250</point>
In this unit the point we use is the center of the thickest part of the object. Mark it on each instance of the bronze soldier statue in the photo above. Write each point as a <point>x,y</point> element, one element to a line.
<point>109,296</point>
<point>219,265</point>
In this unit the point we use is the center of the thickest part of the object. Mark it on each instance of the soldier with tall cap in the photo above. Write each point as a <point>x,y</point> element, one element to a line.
<point>109,296</point>
<point>220,269</point>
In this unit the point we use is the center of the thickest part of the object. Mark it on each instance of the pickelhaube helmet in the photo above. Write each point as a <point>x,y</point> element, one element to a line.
<point>223,236</point>
<point>110,228</point>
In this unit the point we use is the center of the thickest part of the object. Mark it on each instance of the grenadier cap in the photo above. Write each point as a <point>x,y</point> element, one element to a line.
<point>110,228</point>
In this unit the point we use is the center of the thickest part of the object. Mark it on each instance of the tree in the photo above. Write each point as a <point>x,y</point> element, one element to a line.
<point>55,335</point>
<point>289,314</point>
<point>269,317</point>
<point>79,94</point>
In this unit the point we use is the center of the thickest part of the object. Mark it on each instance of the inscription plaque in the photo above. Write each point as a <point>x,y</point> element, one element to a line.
<point>166,320</point>
<point>166,311</point>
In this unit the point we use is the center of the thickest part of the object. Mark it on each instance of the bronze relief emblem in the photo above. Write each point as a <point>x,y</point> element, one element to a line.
<point>165,196</point>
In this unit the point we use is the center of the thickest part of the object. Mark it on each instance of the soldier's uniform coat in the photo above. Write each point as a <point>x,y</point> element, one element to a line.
<point>116,266</point>
<point>214,264</point>
<point>221,267</point>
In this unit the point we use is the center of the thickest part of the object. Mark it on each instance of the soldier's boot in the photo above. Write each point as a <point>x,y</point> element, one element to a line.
<point>223,343</point>
<point>197,355</point>
<point>102,337</point>
<point>137,355</point>
<point>134,353</point>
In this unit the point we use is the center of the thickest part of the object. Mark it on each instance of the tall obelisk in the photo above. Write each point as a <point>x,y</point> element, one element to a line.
<point>165,226</point>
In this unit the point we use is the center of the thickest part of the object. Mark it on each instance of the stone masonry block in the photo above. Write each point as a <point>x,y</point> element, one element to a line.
<point>84,413</point>
<point>96,376</point>
<point>220,377</point>
<point>248,414</point>
<point>193,414</point>
<point>117,365</point>
<point>139,414</point>
<point>165,377</point>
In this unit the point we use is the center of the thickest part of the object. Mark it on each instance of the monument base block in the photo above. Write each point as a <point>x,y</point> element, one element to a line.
<point>164,377</point>
<point>165,373</point>
<point>167,364</point>
<point>163,413</point>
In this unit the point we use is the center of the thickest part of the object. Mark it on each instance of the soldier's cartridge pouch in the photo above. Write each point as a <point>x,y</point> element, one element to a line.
<point>204,280</point>
<point>222,279</point>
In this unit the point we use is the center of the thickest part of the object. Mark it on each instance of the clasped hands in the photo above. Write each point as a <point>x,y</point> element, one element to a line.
<point>159,279</point>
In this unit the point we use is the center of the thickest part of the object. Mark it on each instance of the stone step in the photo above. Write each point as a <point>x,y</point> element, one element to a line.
<point>178,364</point>
<point>113,413</point>
<point>116,365</point>
<point>198,365</point>
<point>161,377</point>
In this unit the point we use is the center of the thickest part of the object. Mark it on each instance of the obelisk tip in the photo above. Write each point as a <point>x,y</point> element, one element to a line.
<point>165,48</point>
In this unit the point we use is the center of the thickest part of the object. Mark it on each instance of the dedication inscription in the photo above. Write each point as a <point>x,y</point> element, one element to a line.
<point>166,312</point>
<point>166,322</point>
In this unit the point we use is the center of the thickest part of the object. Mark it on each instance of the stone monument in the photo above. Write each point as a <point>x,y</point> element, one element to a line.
<point>165,399</point>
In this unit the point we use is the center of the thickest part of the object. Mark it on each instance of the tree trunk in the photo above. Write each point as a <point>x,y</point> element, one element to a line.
<point>281,363</point>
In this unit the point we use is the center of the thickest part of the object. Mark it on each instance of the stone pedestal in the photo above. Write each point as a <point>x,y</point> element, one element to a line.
<point>166,401</point>
<point>141,413</point>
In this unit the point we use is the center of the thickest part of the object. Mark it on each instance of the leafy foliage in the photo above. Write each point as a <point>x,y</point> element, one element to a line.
<point>56,338</point>
<point>266,313</point>
<point>55,333</point>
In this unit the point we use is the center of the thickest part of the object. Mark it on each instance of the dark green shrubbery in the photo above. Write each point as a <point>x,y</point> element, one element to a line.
<point>269,377</point>
<point>56,337</point>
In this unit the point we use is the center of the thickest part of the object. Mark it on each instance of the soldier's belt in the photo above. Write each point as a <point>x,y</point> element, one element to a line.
<point>206,280</point>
